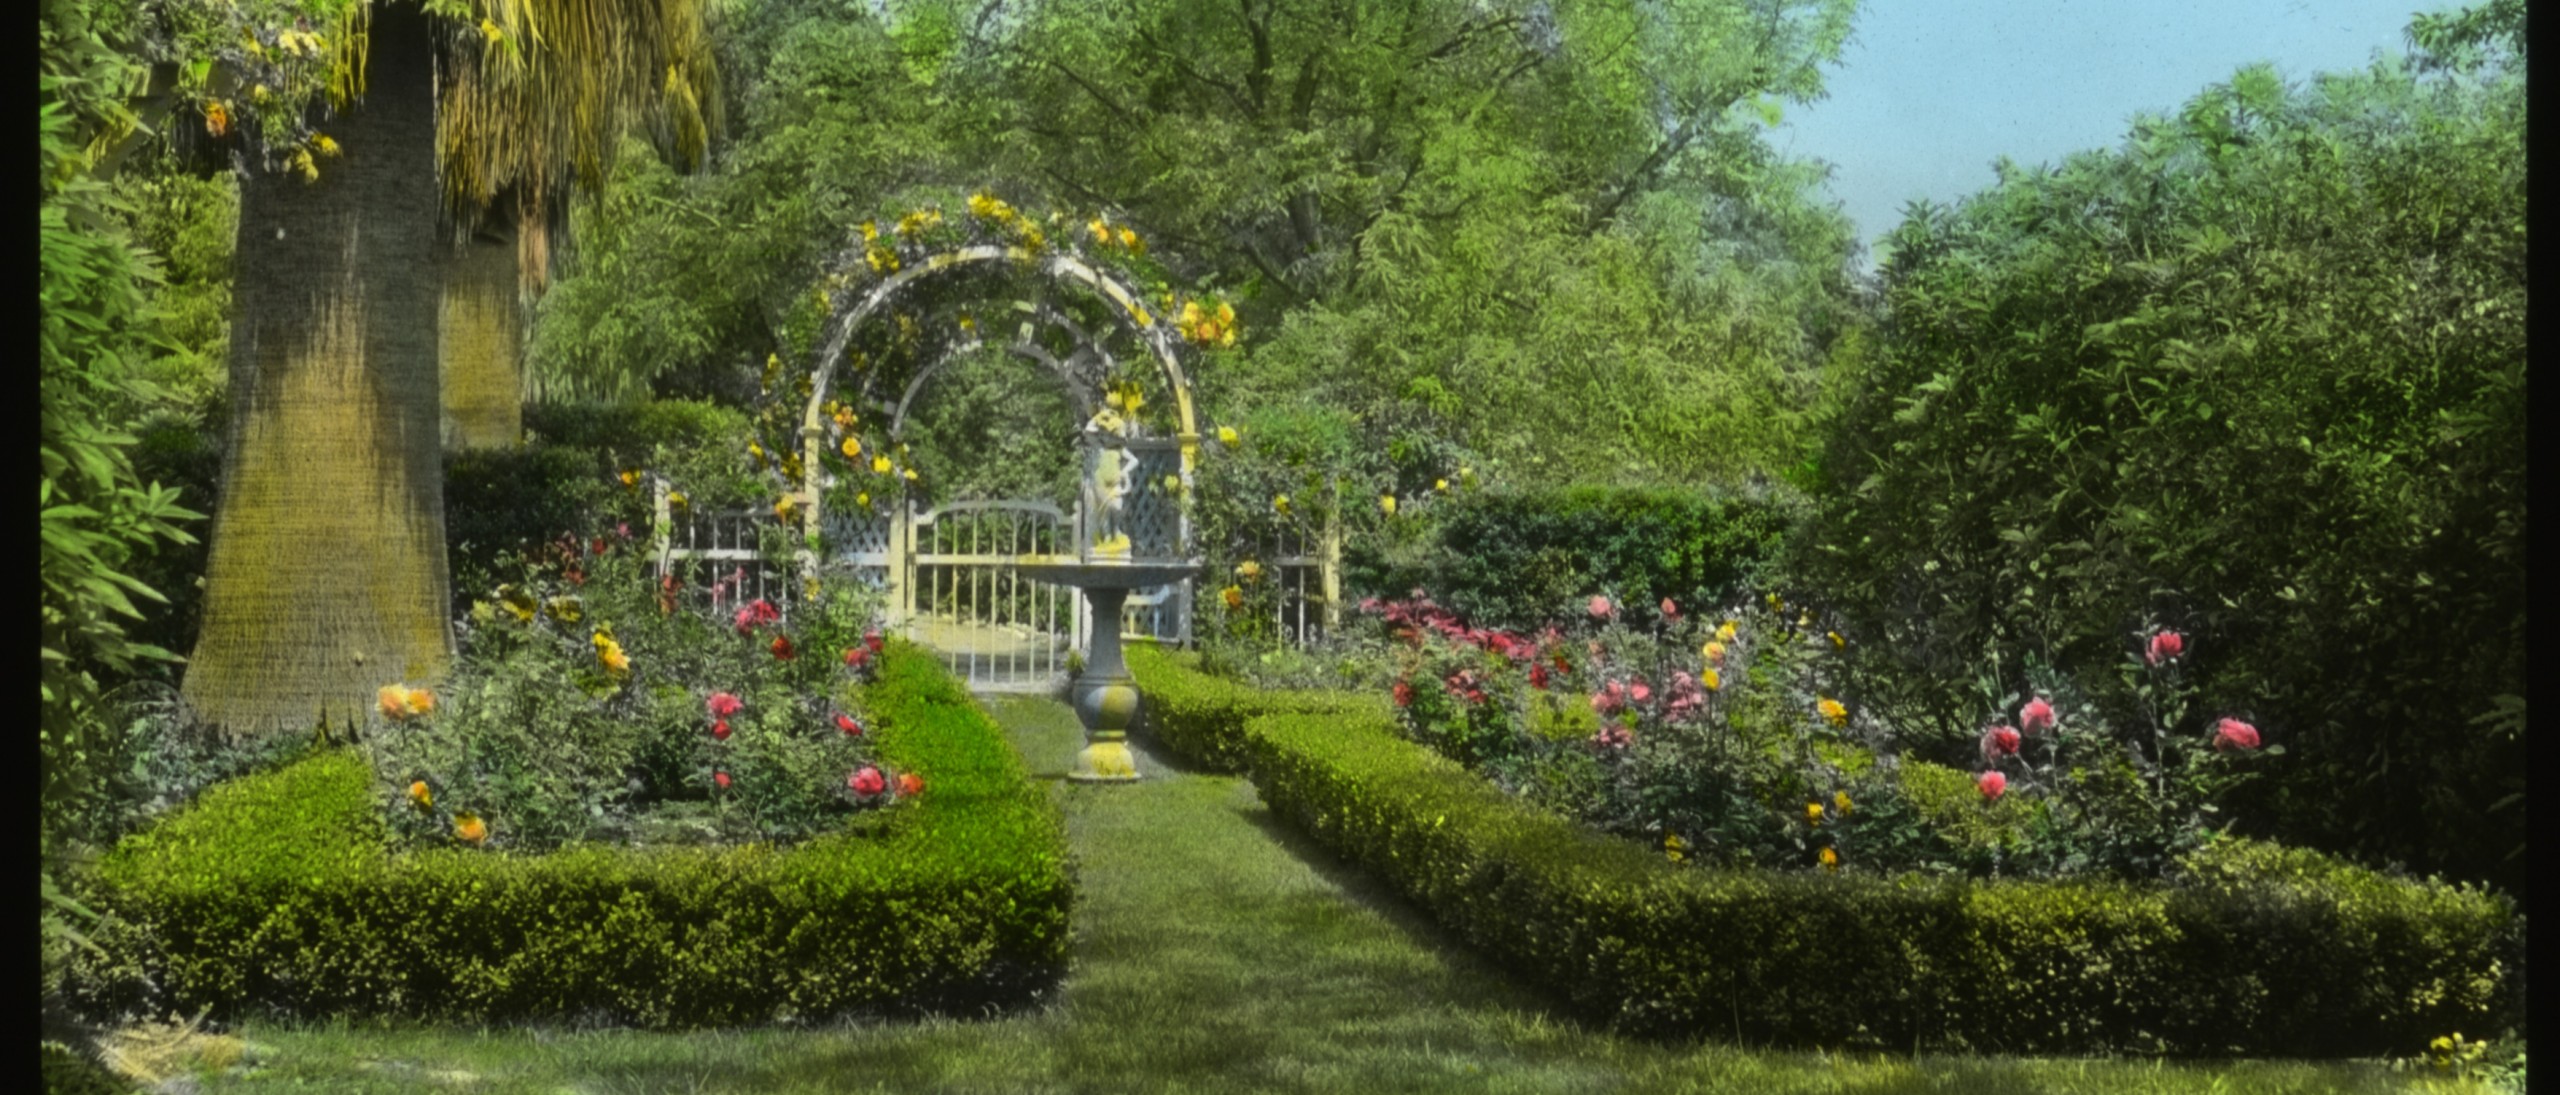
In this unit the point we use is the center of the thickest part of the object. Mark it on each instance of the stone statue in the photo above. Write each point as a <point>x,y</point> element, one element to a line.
<point>1110,471</point>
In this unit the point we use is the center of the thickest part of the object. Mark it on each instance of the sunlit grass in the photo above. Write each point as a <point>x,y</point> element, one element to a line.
<point>1215,950</point>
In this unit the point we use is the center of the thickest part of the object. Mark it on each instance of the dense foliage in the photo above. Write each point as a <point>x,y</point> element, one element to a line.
<point>97,336</point>
<point>2259,373</point>
<point>1380,191</point>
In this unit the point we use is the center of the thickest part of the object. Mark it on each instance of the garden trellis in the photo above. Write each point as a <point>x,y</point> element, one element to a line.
<point>899,308</point>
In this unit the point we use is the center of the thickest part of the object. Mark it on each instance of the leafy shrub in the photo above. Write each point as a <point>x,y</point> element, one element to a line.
<point>1509,558</point>
<point>2251,950</point>
<point>2259,373</point>
<point>1201,718</point>
<point>273,894</point>
<point>587,692</point>
<point>1747,753</point>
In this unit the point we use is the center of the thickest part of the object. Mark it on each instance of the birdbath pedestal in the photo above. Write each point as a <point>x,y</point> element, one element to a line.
<point>1104,695</point>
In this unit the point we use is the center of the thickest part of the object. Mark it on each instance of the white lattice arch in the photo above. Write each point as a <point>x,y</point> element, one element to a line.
<point>1127,309</point>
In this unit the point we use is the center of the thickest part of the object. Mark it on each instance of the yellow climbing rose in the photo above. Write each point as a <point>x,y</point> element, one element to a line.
<point>852,447</point>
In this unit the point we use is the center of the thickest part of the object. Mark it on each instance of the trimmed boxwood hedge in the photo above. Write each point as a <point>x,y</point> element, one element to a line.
<point>1200,718</point>
<point>276,893</point>
<point>2258,950</point>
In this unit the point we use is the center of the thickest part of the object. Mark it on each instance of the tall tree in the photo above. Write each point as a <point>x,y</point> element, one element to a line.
<point>327,575</point>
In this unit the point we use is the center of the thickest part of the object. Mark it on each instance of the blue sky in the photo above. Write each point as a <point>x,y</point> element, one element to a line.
<point>1929,92</point>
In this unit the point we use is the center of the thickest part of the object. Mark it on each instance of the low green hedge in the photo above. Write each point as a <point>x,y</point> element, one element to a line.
<point>275,892</point>
<point>2261,950</point>
<point>1201,718</point>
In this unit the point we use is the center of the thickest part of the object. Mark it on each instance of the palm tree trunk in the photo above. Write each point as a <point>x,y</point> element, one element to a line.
<point>480,342</point>
<point>326,574</point>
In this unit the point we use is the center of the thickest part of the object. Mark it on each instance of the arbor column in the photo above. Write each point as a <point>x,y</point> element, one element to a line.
<point>326,574</point>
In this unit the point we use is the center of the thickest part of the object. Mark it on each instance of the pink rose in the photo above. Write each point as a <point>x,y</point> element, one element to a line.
<point>1639,691</point>
<point>1669,609</point>
<point>2233,733</point>
<point>2165,646</point>
<point>1993,784</point>
<point>866,780</point>
<point>2035,718</point>
<point>724,705</point>
<point>1599,607</point>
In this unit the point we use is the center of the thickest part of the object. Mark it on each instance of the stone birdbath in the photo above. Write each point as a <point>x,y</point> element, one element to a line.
<point>1104,695</point>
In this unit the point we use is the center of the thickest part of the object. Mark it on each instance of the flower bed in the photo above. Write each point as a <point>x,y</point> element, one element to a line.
<point>2255,950</point>
<point>276,893</point>
<point>2249,949</point>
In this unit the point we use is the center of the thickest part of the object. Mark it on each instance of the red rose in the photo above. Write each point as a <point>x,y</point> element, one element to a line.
<point>845,723</point>
<point>722,779</point>
<point>1993,784</point>
<point>872,640</point>
<point>1404,694</point>
<point>720,730</point>
<point>782,647</point>
<point>866,780</point>
<point>1997,742</point>
<point>1538,677</point>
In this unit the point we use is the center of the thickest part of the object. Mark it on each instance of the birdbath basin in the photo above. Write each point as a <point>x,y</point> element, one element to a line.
<point>1104,695</point>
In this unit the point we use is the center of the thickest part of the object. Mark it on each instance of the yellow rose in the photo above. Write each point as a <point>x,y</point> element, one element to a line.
<point>852,447</point>
<point>1813,813</point>
<point>1227,436</point>
<point>1387,502</point>
<point>1834,712</point>
<point>468,828</point>
<point>880,464</point>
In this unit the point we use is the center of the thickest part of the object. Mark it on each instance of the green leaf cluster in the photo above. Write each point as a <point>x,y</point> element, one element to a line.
<point>97,334</point>
<point>2257,374</point>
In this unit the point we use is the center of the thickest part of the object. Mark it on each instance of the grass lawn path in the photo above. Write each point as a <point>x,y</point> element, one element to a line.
<point>1215,950</point>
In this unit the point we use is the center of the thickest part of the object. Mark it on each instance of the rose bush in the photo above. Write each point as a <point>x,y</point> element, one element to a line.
<point>590,695</point>
<point>1735,737</point>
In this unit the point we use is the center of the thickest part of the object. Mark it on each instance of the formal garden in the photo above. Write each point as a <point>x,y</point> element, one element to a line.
<point>655,545</point>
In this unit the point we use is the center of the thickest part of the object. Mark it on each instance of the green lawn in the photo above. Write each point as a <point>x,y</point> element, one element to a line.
<point>1215,950</point>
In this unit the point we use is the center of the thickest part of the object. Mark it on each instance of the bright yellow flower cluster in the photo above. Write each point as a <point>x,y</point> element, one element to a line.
<point>1204,327</point>
<point>1125,397</point>
<point>1106,234</point>
<point>918,221</point>
<point>610,655</point>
